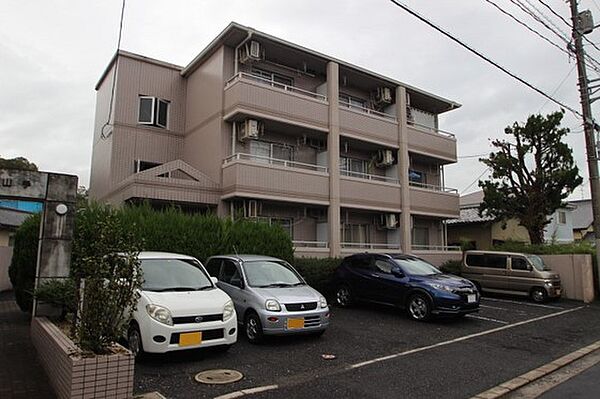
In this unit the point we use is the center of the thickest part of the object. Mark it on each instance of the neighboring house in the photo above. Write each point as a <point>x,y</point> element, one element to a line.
<point>583,220</point>
<point>483,232</point>
<point>345,159</point>
<point>10,220</point>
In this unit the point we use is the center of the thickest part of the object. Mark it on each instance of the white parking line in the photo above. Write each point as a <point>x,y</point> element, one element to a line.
<point>463,338</point>
<point>521,303</point>
<point>472,316</point>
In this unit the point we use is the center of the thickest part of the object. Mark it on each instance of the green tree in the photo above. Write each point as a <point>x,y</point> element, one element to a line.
<point>533,171</point>
<point>19,163</point>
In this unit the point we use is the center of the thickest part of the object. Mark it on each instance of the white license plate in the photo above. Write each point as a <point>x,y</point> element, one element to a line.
<point>471,298</point>
<point>558,291</point>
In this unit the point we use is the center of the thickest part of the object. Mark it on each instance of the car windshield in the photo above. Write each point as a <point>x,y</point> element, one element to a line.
<point>417,267</point>
<point>267,273</point>
<point>537,262</point>
<point>174,275</point>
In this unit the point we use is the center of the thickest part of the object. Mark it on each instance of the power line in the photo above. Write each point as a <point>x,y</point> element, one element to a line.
<point>103,135</point>
<point>472,156</point>
<point>480,55</point>
<point>555,13</point>
<point>562,82</point>
<point>562,36</point>
<point>476,180</point>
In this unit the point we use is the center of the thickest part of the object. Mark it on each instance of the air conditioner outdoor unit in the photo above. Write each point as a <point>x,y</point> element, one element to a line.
<point>251,52</point>
<point>384,158</point>
<point>391,222</point>
<point>250,129</point>
<point>252,209</point>
<point>384,95</point>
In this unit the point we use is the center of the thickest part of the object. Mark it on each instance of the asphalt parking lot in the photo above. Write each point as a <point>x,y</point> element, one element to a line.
<point>380,353</point>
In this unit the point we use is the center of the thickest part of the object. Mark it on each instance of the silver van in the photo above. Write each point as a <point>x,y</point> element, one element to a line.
<point>511,273</point>
<point>270,296</point>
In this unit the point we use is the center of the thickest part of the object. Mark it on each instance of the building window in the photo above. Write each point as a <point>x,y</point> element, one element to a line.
<point>562,217</point>
<point>153,111</point>
<point>273,77</point>
<point>420,236</point>
<point>354,167</point>
<point>352,102</point>
<point>416,176</point>
<point>356,233</point>
<point>140,166</point>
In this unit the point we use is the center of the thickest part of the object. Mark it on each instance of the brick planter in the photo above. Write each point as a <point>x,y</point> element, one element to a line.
<point>75,376</point>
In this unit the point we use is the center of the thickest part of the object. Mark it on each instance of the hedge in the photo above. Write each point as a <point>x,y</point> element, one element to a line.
<point>24,261</point>
<point>318,272</point>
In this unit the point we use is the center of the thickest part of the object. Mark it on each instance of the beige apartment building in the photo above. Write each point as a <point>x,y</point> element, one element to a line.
<point>343,158</point>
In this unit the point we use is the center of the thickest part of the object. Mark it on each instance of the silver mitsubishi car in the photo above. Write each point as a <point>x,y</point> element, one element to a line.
<point>270,296</point>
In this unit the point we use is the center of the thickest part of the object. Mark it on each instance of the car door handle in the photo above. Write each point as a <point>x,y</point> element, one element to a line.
<point>375,275</point>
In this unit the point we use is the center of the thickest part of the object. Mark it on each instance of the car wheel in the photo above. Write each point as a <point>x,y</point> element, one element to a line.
<point>343,296</point>
<point>253,328</point>
<point>538,295</point>
<point>134,341</point>
<point>419,307</point>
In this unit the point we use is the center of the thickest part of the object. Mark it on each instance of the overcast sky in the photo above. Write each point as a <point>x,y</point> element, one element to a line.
<point>53,52</point>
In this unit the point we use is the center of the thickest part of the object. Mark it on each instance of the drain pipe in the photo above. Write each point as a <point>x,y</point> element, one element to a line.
<point>236,56</point>
<point>233,136</point>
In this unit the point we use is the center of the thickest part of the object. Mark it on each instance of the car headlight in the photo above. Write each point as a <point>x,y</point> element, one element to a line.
<point>160,314</point>
<point>228,311</point>
<point>548,283</point>
<point>323,302</point>
<point>441,287</point>
<point>272,305</point>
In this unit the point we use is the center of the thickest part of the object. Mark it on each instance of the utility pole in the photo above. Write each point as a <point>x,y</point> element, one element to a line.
<point>588,121</point>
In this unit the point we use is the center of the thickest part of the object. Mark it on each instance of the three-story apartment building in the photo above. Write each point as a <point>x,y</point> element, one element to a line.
<point>344,159</point>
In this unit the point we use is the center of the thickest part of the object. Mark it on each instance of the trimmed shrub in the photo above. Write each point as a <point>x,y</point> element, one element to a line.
<point>24,262</point>
<point>60,293</point>
<point>318,272</point>
<point>451,267</point>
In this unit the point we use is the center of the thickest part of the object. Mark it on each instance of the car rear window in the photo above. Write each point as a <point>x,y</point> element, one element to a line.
<point>492,261</point>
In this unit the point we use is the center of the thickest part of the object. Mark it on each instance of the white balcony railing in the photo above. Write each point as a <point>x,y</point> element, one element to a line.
<point>310,244</point>
<point>368,245</point>
<point>274,161</point>
<point>433,187</point>
<point>442,248</point>
<point>277,85</point>
<point>366,110</point>
<point>424,120</point>
<point>367,176</point>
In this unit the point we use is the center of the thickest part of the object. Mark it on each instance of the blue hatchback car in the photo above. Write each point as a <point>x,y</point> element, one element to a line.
<point>404,281</point>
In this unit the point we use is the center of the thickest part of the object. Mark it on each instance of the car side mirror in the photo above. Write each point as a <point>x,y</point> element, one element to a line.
<point>397,272</point>
<point>214,280</point>
<point>237,282</point>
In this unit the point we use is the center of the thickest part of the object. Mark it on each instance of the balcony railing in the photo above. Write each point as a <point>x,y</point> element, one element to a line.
<point>275,161</point>
<point>367,176</point>
<point>442,248</point>
<point>367,245</point>
<point>277,85</point>
<point>433,187</point>
<point>310,244</point>
<point>426,121</point>
<point>366,110</point>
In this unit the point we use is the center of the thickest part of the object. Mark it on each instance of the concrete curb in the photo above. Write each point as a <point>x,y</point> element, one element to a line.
<point>524,379</point>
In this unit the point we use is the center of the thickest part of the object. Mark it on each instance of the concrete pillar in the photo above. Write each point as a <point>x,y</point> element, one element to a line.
<point>403,164</point>
<point>333,150</point>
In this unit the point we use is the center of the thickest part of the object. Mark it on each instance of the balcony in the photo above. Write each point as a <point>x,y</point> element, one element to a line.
<point>433,187</point>
<point>433,200</point>
<point>368,124</point>
<point>361,190</point>
<point>258,96</point>
<point>358,247</point>
<point>246,175</point>
<point>424,137</point>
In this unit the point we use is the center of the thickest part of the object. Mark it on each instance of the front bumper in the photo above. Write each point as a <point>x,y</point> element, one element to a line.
<point>446,303</point>
<point>213,333</point>
<point>278,323</point>
<point>554,291</point>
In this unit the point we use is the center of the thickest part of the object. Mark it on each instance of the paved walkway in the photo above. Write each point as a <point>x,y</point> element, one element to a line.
<point>21,376</point>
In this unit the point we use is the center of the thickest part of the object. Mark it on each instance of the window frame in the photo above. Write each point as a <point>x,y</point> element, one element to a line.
<point>522,258</point>
<point>561,215</point>
<point>152,108</point>
<point>156,102</point>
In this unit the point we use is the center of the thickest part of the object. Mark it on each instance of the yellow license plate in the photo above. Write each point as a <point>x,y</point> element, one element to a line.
<point>186,339</point>
<point>295,323</point>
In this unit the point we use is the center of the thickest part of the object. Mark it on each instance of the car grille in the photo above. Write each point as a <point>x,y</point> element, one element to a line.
<point>299,307</point>
<point>312,321</point>
<point>192,319</point>
<point>464,291</point>
<point>207,335</point>
<point>556,284</point>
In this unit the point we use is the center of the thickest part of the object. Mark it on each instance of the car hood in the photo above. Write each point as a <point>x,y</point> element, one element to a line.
<point>302,293</point>
<point>550,275</point>
<point>188,303</point>
<point>445,279</point>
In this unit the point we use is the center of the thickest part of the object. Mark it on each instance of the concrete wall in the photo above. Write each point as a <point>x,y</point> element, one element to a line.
<point>437,258</point>
<point>576,275</point>
<point>5,258</point>
<point>513,231</point>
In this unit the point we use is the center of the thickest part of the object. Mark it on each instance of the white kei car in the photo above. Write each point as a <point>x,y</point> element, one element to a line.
<point>180,307</point>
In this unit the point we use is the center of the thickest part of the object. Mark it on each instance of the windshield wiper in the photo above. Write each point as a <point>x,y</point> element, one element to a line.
<point>171,289</point>
<point>279,285</point>
<point>206,287</point>
<point>297,284</point>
